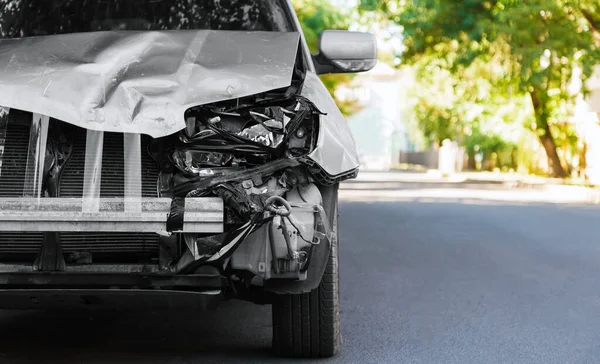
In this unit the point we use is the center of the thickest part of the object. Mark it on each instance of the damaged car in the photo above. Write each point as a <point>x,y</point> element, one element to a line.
<point>162,153</point>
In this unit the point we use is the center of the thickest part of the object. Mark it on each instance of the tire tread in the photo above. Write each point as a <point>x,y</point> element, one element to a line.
<point>308,324</point>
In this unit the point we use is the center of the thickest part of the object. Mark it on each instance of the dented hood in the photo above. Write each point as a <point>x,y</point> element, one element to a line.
<point>140,82</point>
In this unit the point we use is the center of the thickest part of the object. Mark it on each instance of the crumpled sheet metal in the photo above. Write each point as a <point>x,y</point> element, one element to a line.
<point>140,81</point>
<point>336,149</point>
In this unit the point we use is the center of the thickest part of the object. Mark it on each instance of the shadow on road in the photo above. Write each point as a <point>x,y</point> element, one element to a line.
<point>237,331</point>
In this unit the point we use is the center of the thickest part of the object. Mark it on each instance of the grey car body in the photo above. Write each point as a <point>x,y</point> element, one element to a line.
<point>174,153</point>
<point>143,81</point>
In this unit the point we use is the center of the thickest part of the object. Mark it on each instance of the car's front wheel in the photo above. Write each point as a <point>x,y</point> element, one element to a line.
<point>308,324</point>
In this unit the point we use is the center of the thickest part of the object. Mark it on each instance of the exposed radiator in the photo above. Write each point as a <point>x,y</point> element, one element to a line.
<point>12,174</point>
<point>14,158</point>
<point>12,177</point>
<point>113,174</point>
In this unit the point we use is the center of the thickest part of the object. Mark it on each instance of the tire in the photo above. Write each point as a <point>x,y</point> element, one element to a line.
<point>308,325</point>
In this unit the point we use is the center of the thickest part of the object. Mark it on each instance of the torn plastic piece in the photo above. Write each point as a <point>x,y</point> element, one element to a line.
<point>202,134</point>
<point>167,182</point>
<point>268,121</point>
<point>198,186</point>
<point>259,134</point>
<point>195,161</point>
<point>4,111</point>
<point>36,156</point>
<point>221,246</point>
<point>236,237</point>
<point>205,247</point>
<point>275,124</point>
<point>92,174</point>
<point>132,151</point>
<point>175,218</point>
<point>237,200</point>
<point>323,230</point>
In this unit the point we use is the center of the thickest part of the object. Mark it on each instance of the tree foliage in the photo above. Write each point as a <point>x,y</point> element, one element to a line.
<point>463,107</point>
<point>535,48</point>
<point>316,16</point>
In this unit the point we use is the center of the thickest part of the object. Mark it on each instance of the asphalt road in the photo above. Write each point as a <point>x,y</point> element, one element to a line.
<point>461,275</point>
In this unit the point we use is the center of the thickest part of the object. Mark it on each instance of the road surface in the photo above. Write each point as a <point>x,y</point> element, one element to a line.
<point>467,272</point>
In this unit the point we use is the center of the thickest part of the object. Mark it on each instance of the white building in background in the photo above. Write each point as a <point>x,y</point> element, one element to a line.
<point>588,126</point>
<point>378,129</point>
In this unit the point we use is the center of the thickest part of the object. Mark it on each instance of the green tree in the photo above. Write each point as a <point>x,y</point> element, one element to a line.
<point>535,45</point>
<point>316,16</point>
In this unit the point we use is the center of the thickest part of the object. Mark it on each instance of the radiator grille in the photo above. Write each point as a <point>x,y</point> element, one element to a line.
<point>12,175</point>
<point>113,168</point>
<point>21,243</point>
<point>108,243</point>
<point>14,158</point>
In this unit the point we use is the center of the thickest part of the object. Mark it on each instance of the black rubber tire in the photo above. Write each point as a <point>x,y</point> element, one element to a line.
<point>308,325</point>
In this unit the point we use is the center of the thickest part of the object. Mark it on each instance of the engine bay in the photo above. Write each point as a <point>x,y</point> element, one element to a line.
<point>250,154</point>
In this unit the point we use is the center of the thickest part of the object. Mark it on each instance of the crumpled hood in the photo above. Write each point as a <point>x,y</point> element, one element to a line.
<point>140,81</point>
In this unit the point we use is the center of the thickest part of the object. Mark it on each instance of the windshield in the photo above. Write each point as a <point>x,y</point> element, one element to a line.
<point>24,18</point>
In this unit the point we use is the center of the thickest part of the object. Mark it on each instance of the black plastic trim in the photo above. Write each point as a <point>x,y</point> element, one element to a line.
<point>326,179</point>
<point>69,280</point>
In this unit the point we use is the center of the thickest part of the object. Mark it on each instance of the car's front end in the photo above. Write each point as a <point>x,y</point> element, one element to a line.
<point>165,167</point>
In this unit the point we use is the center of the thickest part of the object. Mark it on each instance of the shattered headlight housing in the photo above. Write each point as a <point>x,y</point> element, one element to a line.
<point>246,154</point>
<point>254,148</point>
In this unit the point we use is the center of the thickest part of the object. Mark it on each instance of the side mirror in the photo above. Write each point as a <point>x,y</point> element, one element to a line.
<point>342,51</point>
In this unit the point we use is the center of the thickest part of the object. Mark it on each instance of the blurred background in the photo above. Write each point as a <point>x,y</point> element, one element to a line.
<point>479,85</point>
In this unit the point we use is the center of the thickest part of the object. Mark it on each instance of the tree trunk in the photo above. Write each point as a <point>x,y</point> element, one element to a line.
<point>583,161</point>
<point>553,159</point>
<point>554,163</point>
<point>471,163</point>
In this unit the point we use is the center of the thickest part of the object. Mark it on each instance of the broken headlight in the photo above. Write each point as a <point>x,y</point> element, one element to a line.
<point>223,140</point>
<point>247,155</point>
